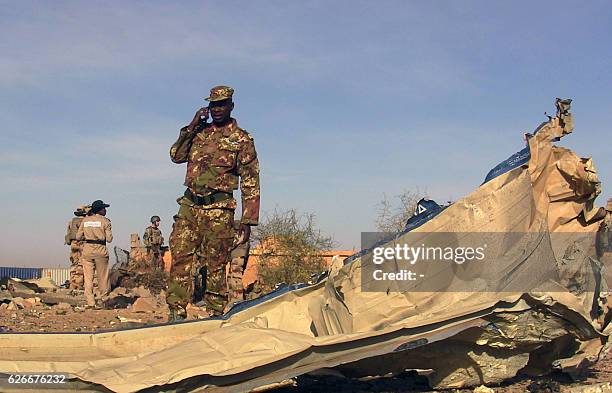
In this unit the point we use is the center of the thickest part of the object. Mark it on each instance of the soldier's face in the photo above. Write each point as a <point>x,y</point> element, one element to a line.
<point>156,224</point>
<point>220,111</point>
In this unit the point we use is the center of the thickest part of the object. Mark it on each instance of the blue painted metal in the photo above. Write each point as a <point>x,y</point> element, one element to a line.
<point>514,161</point>
<point>23,273</point>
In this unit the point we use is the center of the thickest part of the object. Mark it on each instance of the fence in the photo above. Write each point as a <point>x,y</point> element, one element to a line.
<point>59,275</point>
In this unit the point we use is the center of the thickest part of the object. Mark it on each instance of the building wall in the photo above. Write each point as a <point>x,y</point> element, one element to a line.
<point>250,273</point>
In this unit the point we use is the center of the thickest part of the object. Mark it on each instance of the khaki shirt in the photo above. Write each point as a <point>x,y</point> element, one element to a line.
<point>95,227</point>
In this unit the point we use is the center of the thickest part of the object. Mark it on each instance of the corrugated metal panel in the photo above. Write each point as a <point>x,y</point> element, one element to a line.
<point>59,275</point>
<point>23,273</point>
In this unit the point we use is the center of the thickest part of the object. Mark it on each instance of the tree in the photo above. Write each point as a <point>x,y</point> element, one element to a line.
<point>291,247</point>
<point>392,214</point>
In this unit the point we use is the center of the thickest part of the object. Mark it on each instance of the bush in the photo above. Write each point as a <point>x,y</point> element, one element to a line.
<point>291,248</point>
<point>392,216</point>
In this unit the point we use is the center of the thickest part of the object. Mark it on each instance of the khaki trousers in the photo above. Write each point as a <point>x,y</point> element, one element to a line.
<point>100,264</point>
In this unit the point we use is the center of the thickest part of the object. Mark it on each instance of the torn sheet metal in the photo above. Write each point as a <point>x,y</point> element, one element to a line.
<point>462,338</point>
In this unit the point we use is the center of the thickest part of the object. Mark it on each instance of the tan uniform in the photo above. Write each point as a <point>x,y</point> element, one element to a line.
<point>95,231</point>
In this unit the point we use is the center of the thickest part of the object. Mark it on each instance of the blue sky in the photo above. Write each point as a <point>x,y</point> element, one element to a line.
<point>347,101</point>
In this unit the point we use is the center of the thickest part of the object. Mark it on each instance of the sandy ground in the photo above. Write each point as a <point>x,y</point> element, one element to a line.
<point>42,318</point>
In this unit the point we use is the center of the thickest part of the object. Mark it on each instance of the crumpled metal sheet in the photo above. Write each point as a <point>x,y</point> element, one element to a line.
<point>463,338</point>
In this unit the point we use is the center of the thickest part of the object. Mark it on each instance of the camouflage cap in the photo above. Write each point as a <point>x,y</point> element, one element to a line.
<point>220,93</point>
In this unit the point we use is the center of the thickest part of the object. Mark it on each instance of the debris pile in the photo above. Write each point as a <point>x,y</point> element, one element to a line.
<point>134,269</point>
<point>40,305</point>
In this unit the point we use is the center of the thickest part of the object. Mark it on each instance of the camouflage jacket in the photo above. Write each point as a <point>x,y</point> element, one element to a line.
<point>71,232</point>
<point>216,159</point>
<point>153,237</point>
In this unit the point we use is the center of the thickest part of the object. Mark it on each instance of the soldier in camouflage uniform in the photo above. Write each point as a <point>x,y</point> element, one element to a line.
<point>76,268</point>
<point>218,156</point>
<point>153,240</point>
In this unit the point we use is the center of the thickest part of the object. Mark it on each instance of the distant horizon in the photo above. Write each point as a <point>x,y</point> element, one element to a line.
<point>347,102</point>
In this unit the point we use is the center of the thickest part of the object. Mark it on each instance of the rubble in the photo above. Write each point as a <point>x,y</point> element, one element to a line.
<point>133,269</point>
<point>16,285</point>
<point>605,387</point>
<point>144,305</point>
<point>22,303</point>
<point>45,283</point>
<point>5,296</point>
<point>194,312</point>
<point>128,320</point>
<point>119,298</point>
<point>142,292</point>
<point>40,305</point>
<point>483,389</point>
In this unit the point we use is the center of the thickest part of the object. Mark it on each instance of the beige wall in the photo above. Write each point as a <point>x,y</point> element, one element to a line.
<point>250,274</point>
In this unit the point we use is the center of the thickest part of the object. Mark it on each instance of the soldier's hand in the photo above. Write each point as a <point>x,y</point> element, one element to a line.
<point>200,115</point>
<point>244,234</point>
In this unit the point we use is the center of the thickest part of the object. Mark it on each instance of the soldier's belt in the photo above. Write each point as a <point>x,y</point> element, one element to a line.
<point>217,196</point>
<point>101,242</point>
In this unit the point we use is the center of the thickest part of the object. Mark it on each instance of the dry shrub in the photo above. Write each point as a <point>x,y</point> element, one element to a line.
<point>291,248</point>
<point>393,213</point>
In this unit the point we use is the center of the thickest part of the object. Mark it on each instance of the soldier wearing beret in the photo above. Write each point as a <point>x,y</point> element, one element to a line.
<point>220,156</point>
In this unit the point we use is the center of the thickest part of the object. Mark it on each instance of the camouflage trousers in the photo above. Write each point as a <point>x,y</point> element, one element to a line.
<point>200,238</point>
<point>239,257</point>
<point>155,259</point>
<point>77,279</point>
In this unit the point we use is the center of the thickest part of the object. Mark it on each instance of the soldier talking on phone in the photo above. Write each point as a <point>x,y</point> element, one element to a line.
<point>220,156</point>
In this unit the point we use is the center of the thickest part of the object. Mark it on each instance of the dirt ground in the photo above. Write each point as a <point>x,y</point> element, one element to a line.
<point>42,318</point>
